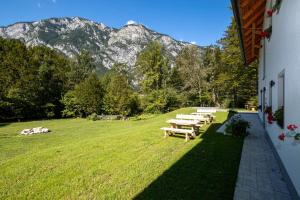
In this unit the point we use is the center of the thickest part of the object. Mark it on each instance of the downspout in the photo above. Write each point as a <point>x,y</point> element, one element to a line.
<point>264,89</point>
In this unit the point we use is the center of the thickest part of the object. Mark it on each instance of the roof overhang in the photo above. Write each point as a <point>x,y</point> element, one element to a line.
<point>249,16</point>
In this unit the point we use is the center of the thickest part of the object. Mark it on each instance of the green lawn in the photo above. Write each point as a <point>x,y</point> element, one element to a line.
<point>82,159</point>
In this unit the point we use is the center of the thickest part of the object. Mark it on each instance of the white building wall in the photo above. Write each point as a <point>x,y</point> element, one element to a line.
<point>283,54</point>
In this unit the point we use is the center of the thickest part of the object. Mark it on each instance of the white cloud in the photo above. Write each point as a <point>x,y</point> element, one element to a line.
<point>54,1</point>
<point>131,22</point>
<point>193,42</point>
<point>39,5</point>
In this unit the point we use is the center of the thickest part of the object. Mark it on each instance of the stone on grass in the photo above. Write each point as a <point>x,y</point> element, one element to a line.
<point>36,130</point>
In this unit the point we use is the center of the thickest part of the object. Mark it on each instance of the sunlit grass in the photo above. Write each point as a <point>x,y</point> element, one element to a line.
<point>81,159</point>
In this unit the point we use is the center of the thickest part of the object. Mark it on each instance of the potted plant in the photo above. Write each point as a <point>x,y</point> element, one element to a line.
<point>291,133</point>
<point>237,126</point>
<point>277,6</point>
<point>279,117</point>
<point>269,113</point>
<point>266,33</point>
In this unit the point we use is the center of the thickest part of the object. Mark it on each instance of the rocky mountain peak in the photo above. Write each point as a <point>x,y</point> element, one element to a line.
<point>107,45</point>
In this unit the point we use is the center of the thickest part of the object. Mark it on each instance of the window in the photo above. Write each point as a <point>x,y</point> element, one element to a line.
<point>272,83</point>
<point>279,114</point>
<point>264,60</point>
<point>281,90</point>
<point>261,100</point>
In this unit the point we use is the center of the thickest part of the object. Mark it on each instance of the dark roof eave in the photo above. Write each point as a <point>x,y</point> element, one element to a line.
<point>236,12</point>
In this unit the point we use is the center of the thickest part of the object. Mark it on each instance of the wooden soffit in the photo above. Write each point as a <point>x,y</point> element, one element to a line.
<point>249,15</point>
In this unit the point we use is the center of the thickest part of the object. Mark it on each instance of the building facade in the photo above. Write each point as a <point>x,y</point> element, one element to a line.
<point>270,32</point>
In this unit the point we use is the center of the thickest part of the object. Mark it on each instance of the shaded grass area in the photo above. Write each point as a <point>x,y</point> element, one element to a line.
<point>207,171</point>
<point>82,159</point>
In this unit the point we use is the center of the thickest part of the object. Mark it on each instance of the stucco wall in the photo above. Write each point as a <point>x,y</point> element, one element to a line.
<point>283,53</point>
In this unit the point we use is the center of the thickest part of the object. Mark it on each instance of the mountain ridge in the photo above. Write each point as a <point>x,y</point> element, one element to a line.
<point>107,45</point>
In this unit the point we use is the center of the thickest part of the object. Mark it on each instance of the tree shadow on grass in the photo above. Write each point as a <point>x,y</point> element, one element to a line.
<point>208,171</point>
<point>2,124</point>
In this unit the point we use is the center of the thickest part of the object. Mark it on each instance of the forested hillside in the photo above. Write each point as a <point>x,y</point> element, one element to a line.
<point>37,82</point>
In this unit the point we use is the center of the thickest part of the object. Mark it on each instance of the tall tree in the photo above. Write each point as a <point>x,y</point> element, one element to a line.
<point>85,99</point>
<point>238,82</point>
<point>81,68</point>
<point>152,68</point>
<point>192,71</point>
<point>119,97</point>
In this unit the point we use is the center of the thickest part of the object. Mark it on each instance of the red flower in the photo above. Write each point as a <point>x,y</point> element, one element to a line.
<point>270,12</point>
<point>270,118</point>
<point>281,137</point>
<point>264,34</point>
<point>292,127</point>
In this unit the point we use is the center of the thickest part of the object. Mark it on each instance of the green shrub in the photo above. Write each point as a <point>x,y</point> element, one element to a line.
<point>279,117</point>
<point>253,102</point>
<point>93,117</point>
<point>161,101</point>
<point>237,127</point>
<point>85,99</point>
<point>49,109</point>
<point>120,98</point>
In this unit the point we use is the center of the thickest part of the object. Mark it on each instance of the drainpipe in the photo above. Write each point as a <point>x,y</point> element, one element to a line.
<point>264,103</point>
<point>264,89</point>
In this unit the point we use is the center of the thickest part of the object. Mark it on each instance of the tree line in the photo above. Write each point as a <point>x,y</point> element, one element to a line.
<point>38,82</point>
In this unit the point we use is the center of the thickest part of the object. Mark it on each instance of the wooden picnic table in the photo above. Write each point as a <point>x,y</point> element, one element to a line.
<point>205,114</point>
<point>178,123</point>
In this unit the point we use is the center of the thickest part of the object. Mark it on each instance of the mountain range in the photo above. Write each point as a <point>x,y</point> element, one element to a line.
<point>107,45</point>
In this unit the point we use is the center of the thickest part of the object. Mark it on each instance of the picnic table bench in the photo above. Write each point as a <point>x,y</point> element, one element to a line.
<point>176,127</point>
<point>209,115</point>
<point>200,118</point>
<point>206,110</point>
<point>171,131</point>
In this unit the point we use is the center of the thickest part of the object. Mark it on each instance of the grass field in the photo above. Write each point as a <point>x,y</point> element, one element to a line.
<point>82,159</point>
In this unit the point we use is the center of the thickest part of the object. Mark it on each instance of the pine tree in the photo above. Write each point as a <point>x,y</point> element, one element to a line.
<point>152,68</point>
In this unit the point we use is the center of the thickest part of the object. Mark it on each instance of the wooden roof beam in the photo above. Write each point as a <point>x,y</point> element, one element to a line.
<point>257,42</point>
<point>253,39</point>
<point>244,3</point>
<point>258,15</point>
<point>253,9</point>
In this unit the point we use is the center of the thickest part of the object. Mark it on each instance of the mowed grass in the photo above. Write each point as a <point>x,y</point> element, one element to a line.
<point>82,159</point>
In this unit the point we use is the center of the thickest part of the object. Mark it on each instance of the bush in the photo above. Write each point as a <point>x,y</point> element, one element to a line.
<point>231,113</point>
<point>85,99</point>
<point>279,116</point>
<point>253,102</point>
<point>226,103</point>
<point>268,109</point>
<point>237,127</point>
<point>49,110</point>
<point>93,117</point>
<point>120,98</point>
<point>161,101</point>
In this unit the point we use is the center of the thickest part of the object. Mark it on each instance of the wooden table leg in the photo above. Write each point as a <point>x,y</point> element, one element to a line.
<point>187,137</point>
<point>166,134</point>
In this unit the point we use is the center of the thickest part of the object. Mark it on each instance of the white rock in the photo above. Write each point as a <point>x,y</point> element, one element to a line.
<point>35,130</point>
<point>45,130</point>
<point>25,131</point>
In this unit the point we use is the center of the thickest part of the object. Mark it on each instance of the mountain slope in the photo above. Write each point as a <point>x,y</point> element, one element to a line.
<point>107,45</point>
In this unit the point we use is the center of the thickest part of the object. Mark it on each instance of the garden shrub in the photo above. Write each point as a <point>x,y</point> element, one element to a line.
<point>237,126</point>
<point>279,117</point>
<point>93,117</point>
<point>161,101</point>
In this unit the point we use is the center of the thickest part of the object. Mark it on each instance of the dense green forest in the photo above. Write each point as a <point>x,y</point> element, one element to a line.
<point>37,82</point>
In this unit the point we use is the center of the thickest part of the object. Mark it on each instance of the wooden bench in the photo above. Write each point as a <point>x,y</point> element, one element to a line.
<point>188,133</point>
<point>206,110</point>
<point>200,118</point>
<point>210,115</point>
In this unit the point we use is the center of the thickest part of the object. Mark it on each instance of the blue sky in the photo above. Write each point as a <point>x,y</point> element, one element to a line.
<point>201,21</point>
